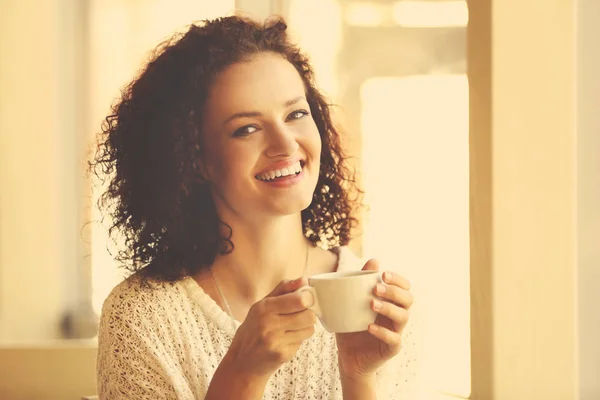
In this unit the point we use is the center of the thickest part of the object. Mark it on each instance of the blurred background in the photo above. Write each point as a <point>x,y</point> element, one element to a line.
<point>481,170</point>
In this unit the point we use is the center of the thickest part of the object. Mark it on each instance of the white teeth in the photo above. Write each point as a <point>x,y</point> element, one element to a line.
<point>293,169</point>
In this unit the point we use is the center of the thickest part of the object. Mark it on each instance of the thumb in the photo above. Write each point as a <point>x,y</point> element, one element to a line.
<point>287,286</point>
<point>371,265</point>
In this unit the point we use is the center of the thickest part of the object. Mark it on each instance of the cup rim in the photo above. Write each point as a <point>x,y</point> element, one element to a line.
<point>342,274</point>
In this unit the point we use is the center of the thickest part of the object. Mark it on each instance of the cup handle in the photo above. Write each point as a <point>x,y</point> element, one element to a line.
<point>315,307</point>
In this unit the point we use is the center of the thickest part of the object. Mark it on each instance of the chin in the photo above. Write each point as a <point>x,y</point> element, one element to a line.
<point>284,207</point>
<point>289,209</point>
<point>292,202</point>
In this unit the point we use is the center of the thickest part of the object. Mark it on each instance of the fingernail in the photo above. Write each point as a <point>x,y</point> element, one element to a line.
<point>381,289</point>
<point>387,277</point>
<point>373,328</point>
<point>377,304</point>
<point>309,300</point>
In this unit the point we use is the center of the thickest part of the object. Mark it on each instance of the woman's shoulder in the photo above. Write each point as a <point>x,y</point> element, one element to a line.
<point>143,297</point>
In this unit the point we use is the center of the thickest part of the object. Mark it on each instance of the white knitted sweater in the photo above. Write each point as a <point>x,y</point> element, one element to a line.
<point>166,342</point>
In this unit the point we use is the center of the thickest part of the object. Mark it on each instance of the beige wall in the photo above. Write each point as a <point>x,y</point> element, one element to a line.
<point>533,193</point>
<point>535,152</point>
<point>36,196</point>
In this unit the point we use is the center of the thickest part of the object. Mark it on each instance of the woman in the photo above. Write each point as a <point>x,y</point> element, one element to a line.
<point>228,183</point>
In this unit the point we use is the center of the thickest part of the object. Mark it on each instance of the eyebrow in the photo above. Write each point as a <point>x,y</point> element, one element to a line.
<point>250,114</point>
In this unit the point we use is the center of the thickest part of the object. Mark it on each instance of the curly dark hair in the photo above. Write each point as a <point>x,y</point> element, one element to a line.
<point>150,145</point>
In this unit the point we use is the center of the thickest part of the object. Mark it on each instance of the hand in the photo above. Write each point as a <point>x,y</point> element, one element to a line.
<point>273,330</point>
<point>362,353</point>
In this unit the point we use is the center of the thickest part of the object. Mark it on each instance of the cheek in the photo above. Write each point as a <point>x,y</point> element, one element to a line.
<point>234,165</point>
<point>313,141</point>
<point>219,171</point>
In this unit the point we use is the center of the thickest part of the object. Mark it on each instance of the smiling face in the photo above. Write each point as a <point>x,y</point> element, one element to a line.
<point>261,144</point>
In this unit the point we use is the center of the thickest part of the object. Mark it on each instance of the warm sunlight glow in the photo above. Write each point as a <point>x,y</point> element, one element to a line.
<point>431,13</point>
<point>322,49</point>
<point>415,162</point>
<point>365,14</point>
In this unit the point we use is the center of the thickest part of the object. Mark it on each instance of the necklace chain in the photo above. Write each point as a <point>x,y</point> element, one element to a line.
<point>221,294</point>
<point>217,284</point>
<point>231,313</point>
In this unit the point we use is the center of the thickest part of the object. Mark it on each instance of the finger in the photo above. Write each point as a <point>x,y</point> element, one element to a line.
<point>288,286</point>
<point>398,315</point>
<point>391,338</point>
<point>393,278</point>
<point>296,337</point>
<point>371,265</point>
<point>298,321</point>
<point>395,294</point>
<point>290,303</point>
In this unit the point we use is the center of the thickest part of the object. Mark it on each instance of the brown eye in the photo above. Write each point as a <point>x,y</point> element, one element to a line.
<point>297,114</point>
<point>245,131</point>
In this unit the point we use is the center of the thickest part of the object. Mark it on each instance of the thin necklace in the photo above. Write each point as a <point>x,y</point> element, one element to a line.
<point>233,318</point>
<point>217,284</point>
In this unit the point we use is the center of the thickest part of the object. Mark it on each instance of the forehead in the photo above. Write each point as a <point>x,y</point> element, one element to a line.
<point>264,81</point>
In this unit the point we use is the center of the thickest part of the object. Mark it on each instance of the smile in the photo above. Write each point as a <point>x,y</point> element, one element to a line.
<point>272,175</point>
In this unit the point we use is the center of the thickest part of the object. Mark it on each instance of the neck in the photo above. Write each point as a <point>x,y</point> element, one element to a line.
<point>264,254</point>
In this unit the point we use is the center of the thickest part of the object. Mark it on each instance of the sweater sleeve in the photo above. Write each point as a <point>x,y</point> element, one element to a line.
<point>133,361</point>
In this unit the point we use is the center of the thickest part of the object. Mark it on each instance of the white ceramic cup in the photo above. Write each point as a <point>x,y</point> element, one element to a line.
<point>343,299</point>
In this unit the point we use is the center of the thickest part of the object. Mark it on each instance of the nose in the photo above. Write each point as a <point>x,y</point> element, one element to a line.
<point>281,142</point>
